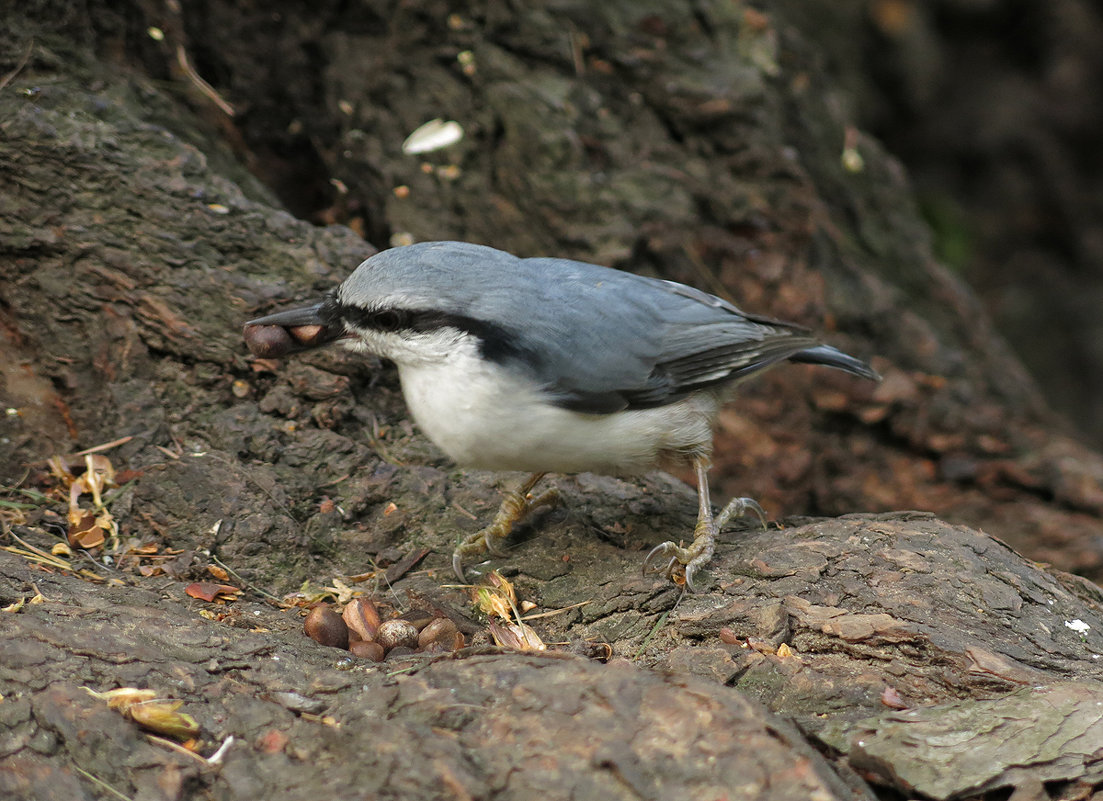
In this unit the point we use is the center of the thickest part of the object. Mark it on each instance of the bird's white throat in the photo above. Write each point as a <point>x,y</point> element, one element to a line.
<point>485,416</point>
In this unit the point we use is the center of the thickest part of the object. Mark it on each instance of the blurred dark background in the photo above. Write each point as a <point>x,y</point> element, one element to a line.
<point>996,108</point>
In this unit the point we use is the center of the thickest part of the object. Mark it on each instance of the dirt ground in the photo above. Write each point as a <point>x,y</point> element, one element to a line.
<point>833,655</point>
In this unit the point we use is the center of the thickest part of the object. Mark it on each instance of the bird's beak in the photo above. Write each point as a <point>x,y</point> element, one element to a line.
<point>291,331</point>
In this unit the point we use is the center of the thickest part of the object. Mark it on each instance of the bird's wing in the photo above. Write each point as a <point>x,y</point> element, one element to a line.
<point>613,340</point>
<point>597,340</point>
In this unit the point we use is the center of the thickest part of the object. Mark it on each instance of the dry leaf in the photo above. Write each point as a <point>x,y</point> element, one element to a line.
<point>144,708</point>
<point>490,602</point>
<point>518,636</point>
<point>342,592</point>
<point>499,599</point>
<point>162,717</point>
<point>88,529</point>
<point>503,585</point>
<point>123,697</point>
<point>209,591</point>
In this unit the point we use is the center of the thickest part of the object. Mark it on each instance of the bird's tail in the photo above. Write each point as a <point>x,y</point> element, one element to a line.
<point>833,357</point>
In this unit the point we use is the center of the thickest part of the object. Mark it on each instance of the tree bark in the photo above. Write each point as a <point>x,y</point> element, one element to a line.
<point>703,147</point>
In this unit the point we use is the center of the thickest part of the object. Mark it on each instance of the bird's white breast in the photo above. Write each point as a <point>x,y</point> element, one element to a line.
<point>484,416</point>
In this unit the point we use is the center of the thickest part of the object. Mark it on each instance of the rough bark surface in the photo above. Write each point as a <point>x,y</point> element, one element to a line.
<point>133,246</point>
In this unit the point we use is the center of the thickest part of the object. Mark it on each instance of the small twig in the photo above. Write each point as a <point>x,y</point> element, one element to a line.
<point>33,557</point>
<point>555,612</point>
<point>18,67</point>
<point>101,783</point>
<point>658,625</point>
<point>200,84</point>
<point>216,757</point>
<point>461,510</point>
<point>49,557</point>
<point>105,446</point>
<point>167,452</point>
<point>425,659</point>
<point>153,738</point>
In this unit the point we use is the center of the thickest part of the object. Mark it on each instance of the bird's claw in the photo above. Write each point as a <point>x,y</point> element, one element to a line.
<point>490,534</point>
<point>738,507</point>
<point>457,565</point>
<point>476,544</point>
<point>662,559</point>
<point>514,506</point>
<point>678,563</point>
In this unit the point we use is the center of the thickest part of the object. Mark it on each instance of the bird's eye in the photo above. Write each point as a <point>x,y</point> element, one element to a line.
<point>390,319</point>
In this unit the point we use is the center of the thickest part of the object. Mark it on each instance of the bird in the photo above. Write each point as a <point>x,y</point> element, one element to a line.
<point>550,365</point>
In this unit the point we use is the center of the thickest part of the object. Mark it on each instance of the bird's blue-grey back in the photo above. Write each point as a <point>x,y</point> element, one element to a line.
<point>597,339</point>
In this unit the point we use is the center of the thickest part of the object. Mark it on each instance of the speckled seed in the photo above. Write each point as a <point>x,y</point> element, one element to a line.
<point>362,618</point>
<point>419,617</point>
<point>440,629</point>
<point>367,650</point>
<point>324,625</point>
<point>394,633</point>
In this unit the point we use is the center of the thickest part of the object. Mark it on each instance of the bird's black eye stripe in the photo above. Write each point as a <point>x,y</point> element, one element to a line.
<point>391,319</point>
<point>386,319</point>
<point>495,342</point>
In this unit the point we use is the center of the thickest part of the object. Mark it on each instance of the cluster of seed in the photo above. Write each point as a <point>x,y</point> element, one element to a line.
<point>359,629</point>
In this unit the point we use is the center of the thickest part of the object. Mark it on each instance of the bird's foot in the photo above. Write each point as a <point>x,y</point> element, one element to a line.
<point>738,507</point>
<point>681,564</point>
<point>515,506</point>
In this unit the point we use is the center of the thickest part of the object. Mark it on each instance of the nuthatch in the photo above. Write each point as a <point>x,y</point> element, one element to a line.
<point>552,366</point>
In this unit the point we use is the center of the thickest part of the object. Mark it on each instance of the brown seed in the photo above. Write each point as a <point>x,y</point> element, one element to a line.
<point>362,618</point>
<point>367,650</point>
<point>419,617</point>
<point>325,626</point>
<point>445,644</point>
<point>307,334</point>
<point>399,650</point>
<point>440,629</point>
<point>395,633</point>
<point>267,341</point>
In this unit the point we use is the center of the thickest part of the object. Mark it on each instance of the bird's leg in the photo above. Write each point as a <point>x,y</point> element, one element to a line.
<point>515,505</point>
<point>670,559</point>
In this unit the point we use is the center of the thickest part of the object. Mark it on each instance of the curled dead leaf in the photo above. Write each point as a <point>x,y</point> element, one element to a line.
<point>161,717</point>
<point>209,591</point>
<point>123,697</point>
<point>516,636</point>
